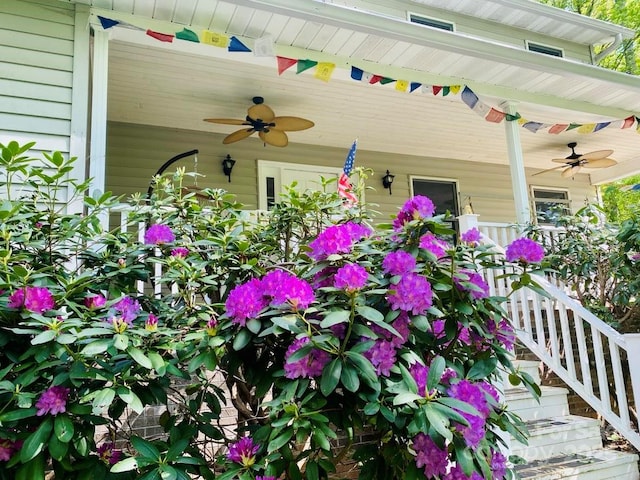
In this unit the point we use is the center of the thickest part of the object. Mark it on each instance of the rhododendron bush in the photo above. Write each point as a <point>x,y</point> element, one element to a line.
<point>314,325</point>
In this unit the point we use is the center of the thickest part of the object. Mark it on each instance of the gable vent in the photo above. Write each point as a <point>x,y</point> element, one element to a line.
<point>431,22</point>
<point>547,50</point>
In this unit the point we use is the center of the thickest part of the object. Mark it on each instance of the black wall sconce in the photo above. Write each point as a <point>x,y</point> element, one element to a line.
<point>227,166</point>
<point>387,180</point>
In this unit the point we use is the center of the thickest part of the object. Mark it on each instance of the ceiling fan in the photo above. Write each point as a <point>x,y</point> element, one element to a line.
<point>574,162</point>
<point>260,118</point>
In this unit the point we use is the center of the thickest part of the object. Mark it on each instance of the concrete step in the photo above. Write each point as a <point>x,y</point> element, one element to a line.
<point>593,465</point>
<point>553,403</point>
<point>554,436</point>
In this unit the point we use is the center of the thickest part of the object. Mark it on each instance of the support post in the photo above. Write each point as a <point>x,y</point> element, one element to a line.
<point>633,358</point>
<point>516,165</point>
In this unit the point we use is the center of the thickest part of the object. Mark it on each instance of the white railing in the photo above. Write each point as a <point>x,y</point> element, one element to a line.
<point>598,363</point>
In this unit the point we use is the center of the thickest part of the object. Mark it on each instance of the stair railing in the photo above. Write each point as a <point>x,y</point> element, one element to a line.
<point>597,362</point>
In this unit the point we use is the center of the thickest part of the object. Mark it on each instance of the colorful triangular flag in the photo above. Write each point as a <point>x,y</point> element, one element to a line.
<point>305,65</point>
<point>163,37</point>
<point>236,45</point>
<point>285,63</point>
<point>107,22</point>
<point>188,35</point>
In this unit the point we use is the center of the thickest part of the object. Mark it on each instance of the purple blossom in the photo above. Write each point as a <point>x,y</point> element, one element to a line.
<point>53,401</point>
<point>503,332</point>
<point>437,328</point>
<point>351,277</point>
<point>433,244</point>
<point>34,299</point>
<point>108,453</point>
<point>401,325</point>
<point>457,473</point>
<point>93,302</point>
<point>245,301</point>
<point>151,323</point>
<point>524,250</point>
<point>243,451</point>
<point>284,287</point>
<point>337,239</point>
<point>471,236</point>
<point>498,465</point>
<point>8,448</point>
<point>412,293</point>
<point>399,263</point>
<point>309,366</point>
<point>212,326</point>
<point>473,283</point>
<point>413,209</point>
<point>158,234</point>
<point>420,373</point>
<point>382,356</point>
<point>324,278</point>
<point>180,252</point>
<point>428,455</point>
<point>126,309</point>
<point>474,394</point>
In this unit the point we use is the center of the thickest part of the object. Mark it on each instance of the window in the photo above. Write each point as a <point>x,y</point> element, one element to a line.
<point>431,22</point>
<point>443,194</point>
<point>546,49</point>
<point>550,204</point>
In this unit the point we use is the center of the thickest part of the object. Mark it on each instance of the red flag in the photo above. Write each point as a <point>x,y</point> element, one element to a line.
<point>345,189</point>
<point>163,37</point>
<point>558,128</point>
<point>495,116</point>
<point>285,63</point>
<point>629,121</point>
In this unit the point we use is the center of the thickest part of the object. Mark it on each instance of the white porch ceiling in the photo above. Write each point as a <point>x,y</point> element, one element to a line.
<point>179,84</point>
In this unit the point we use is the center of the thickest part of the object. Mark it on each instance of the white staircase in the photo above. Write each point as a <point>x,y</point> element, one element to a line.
<point>562,446</point>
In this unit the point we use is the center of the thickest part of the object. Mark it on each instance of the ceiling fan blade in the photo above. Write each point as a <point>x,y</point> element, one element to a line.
<point>600,163</point>
<point>597,155</point>
<point>277,138</point>
<point>238,135</point>
<point>570,172</point>
<point>563,160</point>
<point>227,121</point>
<point>292,124</point>
<point>548,170</point>
<point>262,112</point>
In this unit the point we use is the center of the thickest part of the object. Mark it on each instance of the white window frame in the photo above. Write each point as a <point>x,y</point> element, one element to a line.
<point>429,17</point>
<point>268,168</point>
<point>438,179</point>
<point>527,44</point>
<point>533,189</point>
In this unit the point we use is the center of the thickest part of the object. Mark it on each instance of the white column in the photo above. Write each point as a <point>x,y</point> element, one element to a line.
<point>98,146</point>
<point>79,102</point>
<point>516,165</point>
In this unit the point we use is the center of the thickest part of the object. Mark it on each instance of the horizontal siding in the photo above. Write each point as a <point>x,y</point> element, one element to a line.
<point>135,152</point>
<point>36,72</point>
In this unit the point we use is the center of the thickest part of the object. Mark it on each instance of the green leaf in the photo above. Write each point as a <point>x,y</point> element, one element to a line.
<point>482,368</point>
<point>242,339</point>
<point>406,397</point>
<point>311,471</point>
<point>63,428</point>
<point>43,337</point>
<point>349,378</point>
<point>254,325</point>
<point>158,363</point>
<point>146,449</point>
<point>335,317</point>
<point>103,400</point>
<point>370,313</point>
<point>96,347</point>
<point>330,376</point>
<point>120,341</point>
<point>32,470</point>
<point>17,415</point>
<point>177,449</point>
<point>140,357</point>
<point>366,370</point>
<point>34,443</point>
<point>436,369</point>
<point>125,465</point>
<point>280,440</point>
<point>131,399</point>
<point>57,449</point>
<point>439,422</point>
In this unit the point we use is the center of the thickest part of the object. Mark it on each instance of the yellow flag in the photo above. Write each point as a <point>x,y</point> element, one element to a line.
<point>215,39</point>
<point>324,70</point>
<point>402,85</point>
<point>522,121</point>
<point>587,128</point>
<point>454,89</point>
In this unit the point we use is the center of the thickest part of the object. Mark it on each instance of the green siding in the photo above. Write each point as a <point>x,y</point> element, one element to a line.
<point>135,152</point>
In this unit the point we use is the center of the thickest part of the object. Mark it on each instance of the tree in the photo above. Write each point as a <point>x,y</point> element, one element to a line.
<point>626,58</point>
<point>619,200</point>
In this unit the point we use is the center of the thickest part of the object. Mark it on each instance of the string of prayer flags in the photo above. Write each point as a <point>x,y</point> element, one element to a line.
<point>236,45</point>
<point>305,65</point>
<point>285,63</point>
<point>324,70</point>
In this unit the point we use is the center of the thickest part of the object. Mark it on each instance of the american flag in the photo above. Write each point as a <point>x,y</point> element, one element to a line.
<point>345,189</point>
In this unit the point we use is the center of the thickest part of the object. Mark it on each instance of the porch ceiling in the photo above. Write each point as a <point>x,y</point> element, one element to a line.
<point>179,84</point>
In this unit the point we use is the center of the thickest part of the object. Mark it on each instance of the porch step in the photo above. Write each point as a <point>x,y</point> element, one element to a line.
<point>564,435</point>
<point>589,465</point>
<point>553,403</point>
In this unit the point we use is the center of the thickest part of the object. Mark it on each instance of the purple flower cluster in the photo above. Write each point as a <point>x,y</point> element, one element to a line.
<point>457,473</point>
<point>433,244</point>
<point>382,353</point>
<point>158,234</point>
<point>472,282</point>
<point>420,373</point>
<point>471,236</point>
<point>309,366</point>
<point>243,451</point>
<point>126,309</point>
<point>412,293</point>
<point>151,323</point>
<point>95,301</point>
<point>503,332</point>
<point>430,456</point>
<point>524,250</point>
<point>498,465</point>
<point>34,299</point>
<point>350,277</point>
<point>109,454</point>
<point>8,448</point>
<point>53,401</point>
<point>398,263</point>
<point>337,239</point>
<point>276,288</point>
<point>484,398</point>
<point>180,252</point>
<point>413,209</point>
<point>212,326</point>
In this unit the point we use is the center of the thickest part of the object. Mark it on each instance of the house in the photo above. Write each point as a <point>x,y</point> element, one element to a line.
<point>108,82</point>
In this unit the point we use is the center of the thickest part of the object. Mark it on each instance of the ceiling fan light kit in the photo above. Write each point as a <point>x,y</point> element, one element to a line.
<point>573,163</point>
<point>261,118</point>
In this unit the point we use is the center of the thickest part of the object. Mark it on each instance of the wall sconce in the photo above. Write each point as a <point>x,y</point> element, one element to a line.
<point>227,166</point>
<point>387,180</point>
